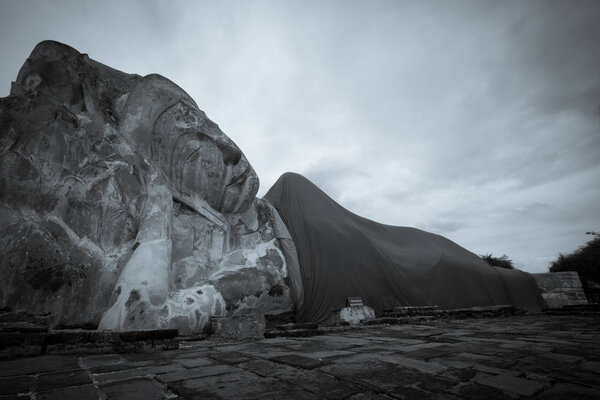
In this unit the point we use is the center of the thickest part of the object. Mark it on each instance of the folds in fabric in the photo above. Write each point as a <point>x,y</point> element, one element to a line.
<point>343,255</point>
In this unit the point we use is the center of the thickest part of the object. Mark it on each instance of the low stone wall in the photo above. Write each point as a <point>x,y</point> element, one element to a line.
<point>26,339</point>
<point>561,288</point>
<point>395,316</point>
<point>400,315</point>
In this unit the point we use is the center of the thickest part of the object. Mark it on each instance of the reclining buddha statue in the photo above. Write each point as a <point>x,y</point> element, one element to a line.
<point>125,207</point>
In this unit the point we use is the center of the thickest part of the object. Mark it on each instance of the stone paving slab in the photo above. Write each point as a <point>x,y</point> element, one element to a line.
<point>86,392</point>
<point>520,357</point>
<point>231,358</point>
<point>59,380</point>
<point>512,384</point>
<point>129,374</point>
<point>198,372</point>
<point>298,361</point>
<point>194,362</point>
<point>146,389</point>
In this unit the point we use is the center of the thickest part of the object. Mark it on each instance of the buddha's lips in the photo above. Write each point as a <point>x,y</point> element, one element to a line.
<point>240,179</point>
<point>239,191</point>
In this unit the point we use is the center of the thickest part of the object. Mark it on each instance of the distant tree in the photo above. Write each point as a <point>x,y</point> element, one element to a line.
<point>585,260</point>
<point>502,262</point>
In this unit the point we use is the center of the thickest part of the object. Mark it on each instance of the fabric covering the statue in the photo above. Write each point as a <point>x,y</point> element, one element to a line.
<point>343,255</point>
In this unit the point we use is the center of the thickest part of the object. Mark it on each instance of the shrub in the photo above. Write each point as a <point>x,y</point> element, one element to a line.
<point>585,260</point>
<point>502,262</point>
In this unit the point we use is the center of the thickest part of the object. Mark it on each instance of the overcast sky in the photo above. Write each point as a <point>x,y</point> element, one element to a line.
<point>476,120</point>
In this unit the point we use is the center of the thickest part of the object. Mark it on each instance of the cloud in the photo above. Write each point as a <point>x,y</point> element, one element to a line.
<point>476,120</point>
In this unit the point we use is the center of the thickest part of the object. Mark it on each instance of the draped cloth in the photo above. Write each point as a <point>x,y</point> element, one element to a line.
<point>341,255</point>
<point>288,248</point>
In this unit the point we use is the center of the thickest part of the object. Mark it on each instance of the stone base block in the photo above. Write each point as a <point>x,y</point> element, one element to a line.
<point>354,315</point>
<point>236,329</point>
<point>561,288</point>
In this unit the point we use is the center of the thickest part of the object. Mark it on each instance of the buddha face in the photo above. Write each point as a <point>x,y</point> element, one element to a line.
<point>201,160</point>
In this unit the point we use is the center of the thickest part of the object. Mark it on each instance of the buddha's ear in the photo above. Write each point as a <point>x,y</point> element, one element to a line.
<point>53,70</point>
<point>139,109</point>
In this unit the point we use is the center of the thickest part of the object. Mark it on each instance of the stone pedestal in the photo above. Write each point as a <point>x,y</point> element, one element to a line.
<point>561,288</point>
<point>355,314</point>
<point>234,329</point>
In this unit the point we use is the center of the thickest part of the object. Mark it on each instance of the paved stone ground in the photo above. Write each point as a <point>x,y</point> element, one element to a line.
<point>542,357</point>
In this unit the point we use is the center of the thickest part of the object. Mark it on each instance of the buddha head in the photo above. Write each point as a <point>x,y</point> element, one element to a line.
<point>155,116</point>
<point>197,158</point>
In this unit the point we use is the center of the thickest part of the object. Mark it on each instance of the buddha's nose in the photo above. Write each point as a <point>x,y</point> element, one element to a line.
<point>231,154</point>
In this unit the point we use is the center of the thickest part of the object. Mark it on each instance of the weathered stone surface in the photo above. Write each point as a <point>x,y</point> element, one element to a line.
<point>194,362</point>
<point>16,385</point>
<point>101,360</point>
<point>123,206</point>
<point>19,339</point>
<point>59,380</point>
<point>229,357</point>
<point>561,288</point>
<point>29,366</point>
<point>474,391</point>
<point>128,374</point>
<point>87,392</point>
<point>21,344</point>
<point>138,389</point>
<point>239,328</point>
<point>240,384</point>
<point>354,315</point>
<point>292,326</point>
<point>197,372</point>
<point>299,361</point>
<point>359,363</point>
<point>22,327</point>
<point>511,384</point>
<point>569,391</point>
<point>406,362</point>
